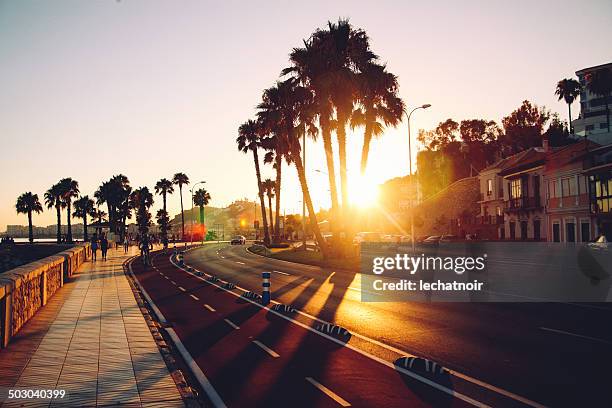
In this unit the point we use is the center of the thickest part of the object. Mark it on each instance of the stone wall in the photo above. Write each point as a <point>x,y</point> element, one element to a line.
<point>24,290</point>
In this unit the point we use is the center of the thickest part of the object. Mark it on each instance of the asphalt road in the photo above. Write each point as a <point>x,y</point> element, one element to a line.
<point>253,357</point>
<point>553,354</point>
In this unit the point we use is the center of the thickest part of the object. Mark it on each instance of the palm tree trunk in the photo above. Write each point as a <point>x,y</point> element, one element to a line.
<point>331,173</point>
<point>314,225</point>
<point>270,211</point>
<point>365,150</point>
<point>261,199</point>
<point>69,224</point>
<point>85,235</point>
<point>30,228</point>
<point>59,223</point>
<point>341,134</point>
<point>182,215</point>
<point>279,168</point>
<point>569,108</point>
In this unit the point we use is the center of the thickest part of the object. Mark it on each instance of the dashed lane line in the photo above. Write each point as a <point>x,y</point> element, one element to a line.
<point>228,321</point>
<point>341,401</point>
<point>194,297</point>
<point>241,263</point>
<point>266,349</point>
<point>282,273</point>
<point>212,309</point>
<point>182,289</point>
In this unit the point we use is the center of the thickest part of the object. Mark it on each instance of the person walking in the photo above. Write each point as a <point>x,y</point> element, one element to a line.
<point>104,246</point>
<point>126,244</point>
<point>94,247</point>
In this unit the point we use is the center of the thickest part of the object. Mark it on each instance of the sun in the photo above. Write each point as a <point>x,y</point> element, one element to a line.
<point>363,192</point>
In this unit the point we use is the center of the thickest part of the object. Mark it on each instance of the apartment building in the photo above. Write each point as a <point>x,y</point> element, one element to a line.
<point>598,173</point>
<point>592,121</point>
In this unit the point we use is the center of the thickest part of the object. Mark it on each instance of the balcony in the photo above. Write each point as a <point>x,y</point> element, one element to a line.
<point>490,219</point>
<point>523,203</point>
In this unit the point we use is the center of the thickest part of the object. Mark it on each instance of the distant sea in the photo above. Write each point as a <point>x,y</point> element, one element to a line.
<point>51,240</point>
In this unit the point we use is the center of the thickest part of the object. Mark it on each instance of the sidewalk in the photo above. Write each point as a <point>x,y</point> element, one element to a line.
<point>98,347</point>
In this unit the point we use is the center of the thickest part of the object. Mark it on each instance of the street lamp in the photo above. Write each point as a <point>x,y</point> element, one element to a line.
<point>425,106</point>
<point>192,202</point>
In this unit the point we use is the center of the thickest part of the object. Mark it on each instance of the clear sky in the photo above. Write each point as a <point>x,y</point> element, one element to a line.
<point>147,88</point>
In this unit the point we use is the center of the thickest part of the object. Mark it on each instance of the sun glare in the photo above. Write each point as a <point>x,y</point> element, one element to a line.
<point>363,192</point>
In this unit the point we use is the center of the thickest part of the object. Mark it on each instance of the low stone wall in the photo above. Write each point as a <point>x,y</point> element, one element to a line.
<point>24,290</point>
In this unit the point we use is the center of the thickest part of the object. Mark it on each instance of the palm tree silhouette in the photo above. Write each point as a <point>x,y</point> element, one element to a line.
<point>269,187</point>
<point>377,93</point>
<point>84,207</point>
<point>70,190</point>
<point>599,83</point>
<point>164,225</point>
<point>181,179</point>
<point>249,139</point>
<point>115,193</point>
<point>27,203</point>
<point>53,198</point>
<point>164,187</point>
<point>201,198</point>
<point>141,200</point>
<point>568,89</point>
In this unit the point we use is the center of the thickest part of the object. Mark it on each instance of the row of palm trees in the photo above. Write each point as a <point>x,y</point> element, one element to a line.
<point>119,198</point>
<point>598,82</point>
<point>334,81</point>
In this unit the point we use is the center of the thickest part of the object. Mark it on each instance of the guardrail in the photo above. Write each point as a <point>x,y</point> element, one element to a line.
<point>27,288</point>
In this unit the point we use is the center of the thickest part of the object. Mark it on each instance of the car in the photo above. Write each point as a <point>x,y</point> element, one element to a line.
<point>367,237</point>
<point>449,238</point>
<point>434,239</point>
<point>238,240</point>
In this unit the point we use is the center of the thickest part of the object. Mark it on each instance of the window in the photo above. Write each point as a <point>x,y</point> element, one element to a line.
<point>499,212</point>
<point>515,188</point>
<point>568,187</point>
<point>556,233</point>
<point>570,232</point>
<point>601,192</point>
<point>489,187</point>
<point>603,125</point>
<point>536,229</point>
<point>552,188</point>
<point>585,231</point>
<point>512,230</point>
<point>523,230</point>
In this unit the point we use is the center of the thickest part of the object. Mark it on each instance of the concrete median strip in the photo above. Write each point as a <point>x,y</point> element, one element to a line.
<point>229,285</point>
<point>328,392</point>
<point>266,349</point>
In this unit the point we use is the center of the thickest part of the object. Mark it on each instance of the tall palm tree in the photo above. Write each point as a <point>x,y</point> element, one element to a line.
<point>53,198</point>
<point>84,207</point>
<point>70,190</point>
<point>100,215</point>
<point>115,193</point>
<point>380,105</point>
<point>27,203</point>
<point>568,89</point>
<point>141,200</point>
<point>269,187</point>
<point>201,198</point>
<point>164,187</point>
<point>249,139</point>
<point>164,225</point>
<point>181,179</point>
<point>599,83</point>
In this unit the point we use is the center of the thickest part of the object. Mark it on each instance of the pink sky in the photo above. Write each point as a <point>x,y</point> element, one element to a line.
<point>149,88</point>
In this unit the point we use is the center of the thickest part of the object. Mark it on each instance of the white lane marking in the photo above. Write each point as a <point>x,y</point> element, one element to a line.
<point>182,289</point>
<point>162,274</point>
<point>329,392</point>
<point>241,263</point>
<point>222,257</point>
<point>576,335</point>
<point>173,282</point>
<point>389,364</point>
<point>194,297</point>
<point>167,277</point>
<point>228,321</point>
<point>266,349</point>
<point>212,309</point>
<point>282,273</point>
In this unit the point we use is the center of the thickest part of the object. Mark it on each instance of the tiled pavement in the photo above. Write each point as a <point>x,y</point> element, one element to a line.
<point>98,347</point>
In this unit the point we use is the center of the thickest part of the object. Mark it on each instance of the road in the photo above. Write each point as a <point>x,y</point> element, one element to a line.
<point>552,354</point>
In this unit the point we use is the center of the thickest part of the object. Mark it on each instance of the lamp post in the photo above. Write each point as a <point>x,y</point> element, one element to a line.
<point>424,106</point>
<point>192,201</point>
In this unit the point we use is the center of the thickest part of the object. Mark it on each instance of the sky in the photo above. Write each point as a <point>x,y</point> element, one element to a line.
<point>148,88</point>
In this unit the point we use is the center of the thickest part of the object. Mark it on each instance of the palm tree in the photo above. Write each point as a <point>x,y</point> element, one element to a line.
<point>269,187</point>
<point>115,193</point>
<point>53,198</point>
<point>164,187</point>
<point>249,139</point>
<point>599,82</point>
<point>141,200</point>
<point>568,89</point>
<point>201,198</point>
<point>26,204</point>
<point>164,225</point>
<point>377,94</point>
<point>70,190</point>
<point>84,207</point>
<point>100,215</point>
<point>181,179</point>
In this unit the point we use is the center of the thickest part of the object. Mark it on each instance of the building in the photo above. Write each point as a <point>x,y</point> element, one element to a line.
<point>598,173</point>
<point>592,120</point>
<point>569,217</point>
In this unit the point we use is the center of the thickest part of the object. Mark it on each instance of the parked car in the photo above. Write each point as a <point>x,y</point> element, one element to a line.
<point>367,237</point>
<point>450,238</point>
<point>238,240</point>
<point>433,239</point>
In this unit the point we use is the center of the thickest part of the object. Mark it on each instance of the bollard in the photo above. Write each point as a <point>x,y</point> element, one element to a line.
<point>265,295</point>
